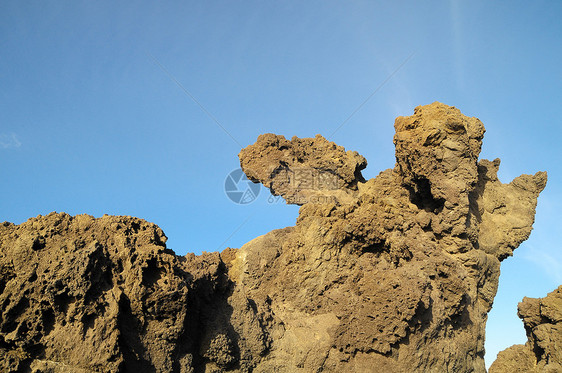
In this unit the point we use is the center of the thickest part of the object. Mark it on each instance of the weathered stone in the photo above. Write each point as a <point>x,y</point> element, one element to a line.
<point>393,274</point>
<point>303,170</point>
<point>542,318</point>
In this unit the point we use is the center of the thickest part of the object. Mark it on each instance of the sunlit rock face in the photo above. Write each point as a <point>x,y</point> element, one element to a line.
<point>393,274</point>
<point>542,318</point>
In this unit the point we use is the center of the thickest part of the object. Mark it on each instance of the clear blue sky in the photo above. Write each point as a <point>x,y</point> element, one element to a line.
<point>89,123</point>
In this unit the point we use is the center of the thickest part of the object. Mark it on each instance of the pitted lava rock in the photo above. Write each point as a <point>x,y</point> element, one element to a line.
<point>303,170</point>
<point>542,318</point>
<point>391,274</point>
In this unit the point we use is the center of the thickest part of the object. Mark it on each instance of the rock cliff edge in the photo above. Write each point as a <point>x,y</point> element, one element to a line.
<point>391,274</point>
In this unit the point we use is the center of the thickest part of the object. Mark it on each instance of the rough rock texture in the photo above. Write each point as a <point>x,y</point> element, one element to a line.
<point>303,170</point>
<point>104,295</point>
<point>542,318</point>
<point>393,274</point>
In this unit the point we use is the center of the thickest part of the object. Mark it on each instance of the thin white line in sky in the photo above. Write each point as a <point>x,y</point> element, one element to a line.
<point>233,233</point>
<point>192,97</point>
<point>372,94</point>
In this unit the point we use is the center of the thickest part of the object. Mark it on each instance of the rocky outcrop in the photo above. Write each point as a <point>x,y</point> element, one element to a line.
<point>304,170</point>
<point>393,274</point>
<point>105,295</point>
<point>542,318</point>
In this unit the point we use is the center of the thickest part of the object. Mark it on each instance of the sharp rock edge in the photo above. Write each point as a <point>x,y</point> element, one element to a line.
<point>393,274</point>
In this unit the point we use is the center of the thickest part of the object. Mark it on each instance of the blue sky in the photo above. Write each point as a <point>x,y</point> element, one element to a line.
<point>90,123</point>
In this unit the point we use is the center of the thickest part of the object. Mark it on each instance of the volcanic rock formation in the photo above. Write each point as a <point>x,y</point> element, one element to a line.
<point>392,274</point>
<point>543,351</point>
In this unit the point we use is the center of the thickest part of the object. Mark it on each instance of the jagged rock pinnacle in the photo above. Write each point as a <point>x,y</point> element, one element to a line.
<point>396,272</point>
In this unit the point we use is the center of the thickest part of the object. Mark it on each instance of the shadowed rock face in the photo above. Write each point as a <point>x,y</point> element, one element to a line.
<point>393,274</point>
<point>103,295</point>
<point>542,318</point>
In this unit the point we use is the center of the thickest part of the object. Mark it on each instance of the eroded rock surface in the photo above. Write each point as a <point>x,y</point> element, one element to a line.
<point>105,295</point>
<point>303,170</point>
<point>542,318</point>
<point>393,274</point>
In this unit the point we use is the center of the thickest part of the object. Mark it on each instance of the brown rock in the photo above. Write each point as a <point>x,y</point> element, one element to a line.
<point>303,170</point>
<point>394,274</point>
<point>502,210</point>
<point>105,295</point>
<point>542,318</point>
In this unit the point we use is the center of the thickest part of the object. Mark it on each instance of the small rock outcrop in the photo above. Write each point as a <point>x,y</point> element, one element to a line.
<point>393,274</point>
<point>542,318</point>
<point>304,170</point>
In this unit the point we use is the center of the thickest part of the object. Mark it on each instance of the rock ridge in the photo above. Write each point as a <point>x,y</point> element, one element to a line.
<point>395,273</point>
